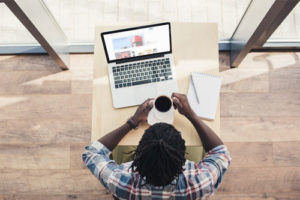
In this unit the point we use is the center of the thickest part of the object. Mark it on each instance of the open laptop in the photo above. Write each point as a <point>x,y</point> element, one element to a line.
<point>140,63</point>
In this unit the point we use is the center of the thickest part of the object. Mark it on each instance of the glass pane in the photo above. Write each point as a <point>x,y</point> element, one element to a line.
<point>78,18</point>
<point>11,29</point>
<point>253,17</point>
<point>289,29</point>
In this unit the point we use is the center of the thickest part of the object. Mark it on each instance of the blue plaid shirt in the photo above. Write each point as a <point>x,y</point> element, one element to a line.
<point>197,181</point>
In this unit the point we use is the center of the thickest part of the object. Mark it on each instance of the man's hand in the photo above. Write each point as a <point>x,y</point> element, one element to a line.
<point>141,114</point>
<point>182,104</point>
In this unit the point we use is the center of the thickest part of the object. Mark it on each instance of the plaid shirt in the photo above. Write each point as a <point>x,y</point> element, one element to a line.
<point>197,181</point>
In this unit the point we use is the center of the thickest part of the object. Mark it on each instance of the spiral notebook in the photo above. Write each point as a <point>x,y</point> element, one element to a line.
<point>203,94</point>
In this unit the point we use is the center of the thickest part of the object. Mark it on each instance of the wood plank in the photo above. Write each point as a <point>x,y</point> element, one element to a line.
<point>280,60</point>
<point>247,180</point>
<point>28,63</point>
<point>285,80</point>
<point>29,156</point>
<point>256,83</point>
<point>260,129</point>
<point>285,85</point>
<point>240,129</point>
<point>48,182</point>
<point>83,60</point>
<point>81,66</point>
<point>34,82</point>
<point>250,154</point>
<point>37,131</point>
<point>103,196</point>
<point>76,156</point>
<point>82,86</point>
<point>82,72</point>
<point>249,77</point>
<point>261,180</point>
<point>66,107</point>
<point>257,60</point>
<point>260,104</point>
<point>287,179</point>
<point>257,196</point>
<point>287,72</point>
<point>15,78</point>
<point>290,75</point>
<point>286,153</point>
<point>237,180</point>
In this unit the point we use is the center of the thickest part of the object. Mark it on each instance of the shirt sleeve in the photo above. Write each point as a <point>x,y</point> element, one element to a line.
<point>214,165</point>
<point>96,158</point>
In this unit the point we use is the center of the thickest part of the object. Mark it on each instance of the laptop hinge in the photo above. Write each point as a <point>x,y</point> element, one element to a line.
<point>140,58</point>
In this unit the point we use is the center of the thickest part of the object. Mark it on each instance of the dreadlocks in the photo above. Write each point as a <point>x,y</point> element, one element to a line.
<point>160,155</point>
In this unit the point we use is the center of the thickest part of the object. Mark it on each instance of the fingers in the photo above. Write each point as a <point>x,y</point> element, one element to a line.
<point>177,99</point>
<point>174,101</point>
<point>177,102</point>
<point>175,107</point>
<point>174,94</point>
<point>148,104</point>
<point>178,95</point>
<point>147,100</point>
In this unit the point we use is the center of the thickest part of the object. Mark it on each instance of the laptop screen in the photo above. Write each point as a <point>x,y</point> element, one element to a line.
<point>135,42</point>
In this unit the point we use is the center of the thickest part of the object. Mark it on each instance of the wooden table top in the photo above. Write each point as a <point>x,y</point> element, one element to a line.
<point>195,49</point>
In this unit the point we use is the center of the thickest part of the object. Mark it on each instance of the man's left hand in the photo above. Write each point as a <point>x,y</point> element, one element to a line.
<point>141,114</point>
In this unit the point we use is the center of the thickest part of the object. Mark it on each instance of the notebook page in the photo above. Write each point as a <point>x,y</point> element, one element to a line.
<point>208,92</point>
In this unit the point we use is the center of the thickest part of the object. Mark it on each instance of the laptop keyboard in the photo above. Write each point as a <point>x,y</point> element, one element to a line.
<point>144,72</point>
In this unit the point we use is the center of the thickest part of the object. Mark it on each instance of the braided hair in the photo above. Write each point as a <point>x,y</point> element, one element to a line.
<point>160,155</point>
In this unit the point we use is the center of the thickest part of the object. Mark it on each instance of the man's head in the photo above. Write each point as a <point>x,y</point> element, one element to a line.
<point>160,155</point>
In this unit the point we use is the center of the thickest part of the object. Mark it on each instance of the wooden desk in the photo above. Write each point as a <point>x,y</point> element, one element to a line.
<point>195,48</point>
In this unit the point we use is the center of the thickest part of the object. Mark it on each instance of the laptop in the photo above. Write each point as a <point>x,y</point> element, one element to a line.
<point>140,63</point>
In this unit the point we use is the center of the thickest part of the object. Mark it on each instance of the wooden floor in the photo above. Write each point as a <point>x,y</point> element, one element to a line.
<point>45,121</point>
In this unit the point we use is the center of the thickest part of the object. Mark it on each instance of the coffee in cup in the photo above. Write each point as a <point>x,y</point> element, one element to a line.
<point>162,111</point>
<point>163,103</point>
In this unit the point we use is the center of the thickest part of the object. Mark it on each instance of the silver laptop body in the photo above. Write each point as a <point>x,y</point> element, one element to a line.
<point>140,63</point>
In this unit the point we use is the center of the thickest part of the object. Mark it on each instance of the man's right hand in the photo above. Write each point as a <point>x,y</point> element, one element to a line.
<point>182,104</point>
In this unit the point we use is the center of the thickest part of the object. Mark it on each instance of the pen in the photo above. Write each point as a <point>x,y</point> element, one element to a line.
<point>193,82</point>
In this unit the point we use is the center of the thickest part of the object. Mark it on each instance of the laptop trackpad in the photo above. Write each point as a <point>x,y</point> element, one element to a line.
<point>144,92</point>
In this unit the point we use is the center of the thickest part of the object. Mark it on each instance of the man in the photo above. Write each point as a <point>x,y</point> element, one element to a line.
<point>159,168</point>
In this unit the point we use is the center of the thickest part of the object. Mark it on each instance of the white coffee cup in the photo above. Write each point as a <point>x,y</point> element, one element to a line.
<point>162,111</point>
